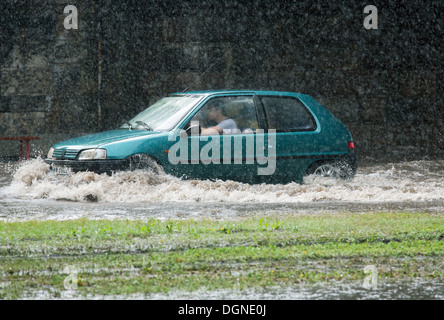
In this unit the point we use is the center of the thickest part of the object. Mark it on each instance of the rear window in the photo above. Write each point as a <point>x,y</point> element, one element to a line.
<point>287,114</point>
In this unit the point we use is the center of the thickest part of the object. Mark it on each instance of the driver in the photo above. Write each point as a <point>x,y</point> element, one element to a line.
<point>224,123</point>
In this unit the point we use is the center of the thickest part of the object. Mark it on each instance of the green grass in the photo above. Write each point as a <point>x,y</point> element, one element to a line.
<point>125,257</point>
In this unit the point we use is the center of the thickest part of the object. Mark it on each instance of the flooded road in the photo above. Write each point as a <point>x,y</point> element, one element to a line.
<point>389,290</point>
<point>29,191</point>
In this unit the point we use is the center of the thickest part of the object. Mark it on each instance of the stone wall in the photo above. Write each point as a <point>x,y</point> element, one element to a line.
<point>385,84</point>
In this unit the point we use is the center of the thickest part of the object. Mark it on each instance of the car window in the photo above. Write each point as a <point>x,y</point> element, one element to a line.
<point>164,114</point>
<point>287,114</point>
<point>233,114</point>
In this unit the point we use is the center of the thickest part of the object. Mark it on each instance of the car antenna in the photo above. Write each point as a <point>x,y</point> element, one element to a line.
<point>208,69</point>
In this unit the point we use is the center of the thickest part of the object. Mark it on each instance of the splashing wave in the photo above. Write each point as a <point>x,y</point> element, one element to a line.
<point>409,181</point>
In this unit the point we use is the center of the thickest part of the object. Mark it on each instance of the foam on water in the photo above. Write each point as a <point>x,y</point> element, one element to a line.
<point>399,182</point>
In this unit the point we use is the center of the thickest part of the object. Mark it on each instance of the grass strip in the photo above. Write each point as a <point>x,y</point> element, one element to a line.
<point>122,257</point>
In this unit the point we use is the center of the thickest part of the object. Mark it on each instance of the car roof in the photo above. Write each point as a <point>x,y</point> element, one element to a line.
<point>257,92</point>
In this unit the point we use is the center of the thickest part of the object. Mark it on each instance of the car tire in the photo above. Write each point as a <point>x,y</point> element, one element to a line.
<point>332,169</point>
<point>144,162</point>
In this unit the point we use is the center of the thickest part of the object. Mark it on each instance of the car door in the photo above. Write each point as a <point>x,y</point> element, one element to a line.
<point>230,154</point>
<point>295,138</point>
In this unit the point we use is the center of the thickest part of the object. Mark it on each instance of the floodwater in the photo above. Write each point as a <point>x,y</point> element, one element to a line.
<point>418,289</point>
<point>30,191</point>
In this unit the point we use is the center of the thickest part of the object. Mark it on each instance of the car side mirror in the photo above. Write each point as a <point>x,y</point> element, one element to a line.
<point>192,128</point>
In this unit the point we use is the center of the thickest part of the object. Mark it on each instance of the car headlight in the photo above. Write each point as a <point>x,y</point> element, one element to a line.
<point>50,152</point>
<point>91,154</point>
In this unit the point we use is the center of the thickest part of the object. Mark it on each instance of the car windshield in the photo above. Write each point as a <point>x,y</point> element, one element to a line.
<point>164,114</point>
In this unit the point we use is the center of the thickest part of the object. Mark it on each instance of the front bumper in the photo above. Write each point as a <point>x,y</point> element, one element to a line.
<point>97,166</point>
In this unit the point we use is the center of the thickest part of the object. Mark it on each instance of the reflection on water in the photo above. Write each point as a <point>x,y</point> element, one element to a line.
<point>32,191</point>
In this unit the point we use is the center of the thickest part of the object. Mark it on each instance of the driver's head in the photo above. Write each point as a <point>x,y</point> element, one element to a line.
<point>214,110</point>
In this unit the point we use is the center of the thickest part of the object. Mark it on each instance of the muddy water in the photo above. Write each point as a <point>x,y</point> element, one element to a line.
<point>30,190</point>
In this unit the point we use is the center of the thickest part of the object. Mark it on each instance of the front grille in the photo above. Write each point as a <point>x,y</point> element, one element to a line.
<point>65,153</point>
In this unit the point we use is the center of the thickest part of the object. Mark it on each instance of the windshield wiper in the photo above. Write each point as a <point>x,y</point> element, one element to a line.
<point>145,125</point>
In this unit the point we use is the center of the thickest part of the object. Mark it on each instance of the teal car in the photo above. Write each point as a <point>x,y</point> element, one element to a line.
<point>247,136</point>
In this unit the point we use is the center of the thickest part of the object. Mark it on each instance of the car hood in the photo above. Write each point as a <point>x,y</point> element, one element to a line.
<point>101,138</point>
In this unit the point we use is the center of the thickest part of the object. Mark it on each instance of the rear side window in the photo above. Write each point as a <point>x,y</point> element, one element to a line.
<point>287,114</point>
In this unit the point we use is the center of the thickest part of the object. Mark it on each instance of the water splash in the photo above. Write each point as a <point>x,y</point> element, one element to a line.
<point>409,181</point>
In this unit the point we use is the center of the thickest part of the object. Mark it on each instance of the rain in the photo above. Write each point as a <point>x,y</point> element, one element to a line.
<point>87,66</point>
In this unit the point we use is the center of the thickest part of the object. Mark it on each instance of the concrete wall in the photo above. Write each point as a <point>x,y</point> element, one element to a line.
<point>385,84</point>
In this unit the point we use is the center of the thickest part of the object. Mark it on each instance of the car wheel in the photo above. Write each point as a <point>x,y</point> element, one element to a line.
<point>144,162</point>
<point>332,169</point>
